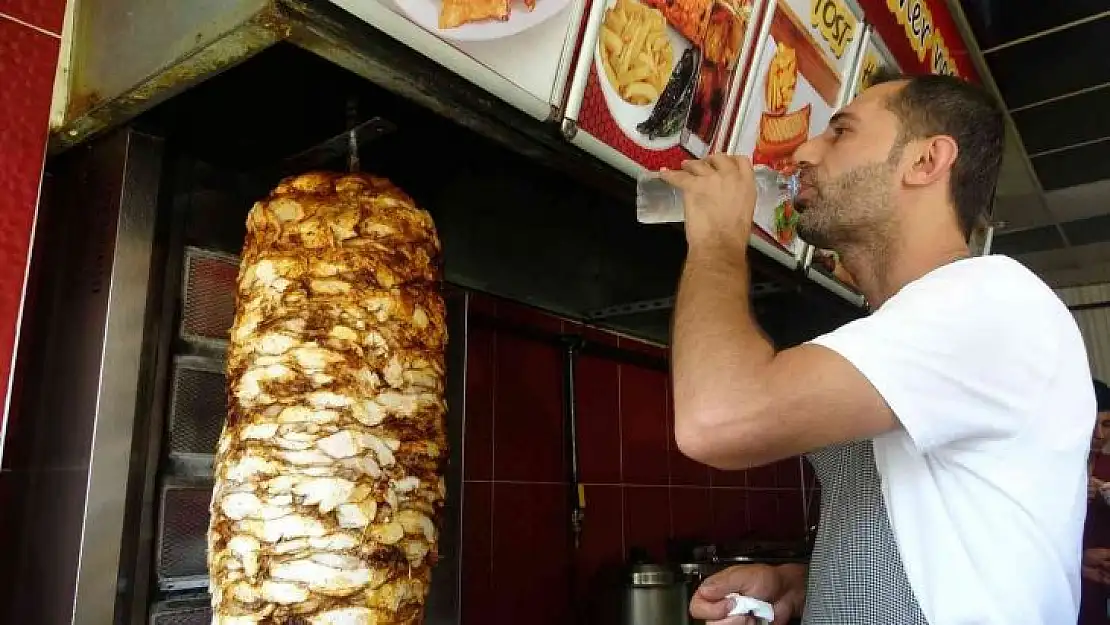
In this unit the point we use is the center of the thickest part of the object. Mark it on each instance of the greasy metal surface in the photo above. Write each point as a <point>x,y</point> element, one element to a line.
<point>129,55</point>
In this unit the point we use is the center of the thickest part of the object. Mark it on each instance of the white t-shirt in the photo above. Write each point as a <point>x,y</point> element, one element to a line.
<point>985,480</point>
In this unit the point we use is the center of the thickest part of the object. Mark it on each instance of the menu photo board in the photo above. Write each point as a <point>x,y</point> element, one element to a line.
<point>875,56</point>
<point>800,75</point>
<point>658,81</point>
<point>522,51</point>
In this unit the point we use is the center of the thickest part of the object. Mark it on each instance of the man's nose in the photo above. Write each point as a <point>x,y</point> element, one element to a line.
<point>808,152</point>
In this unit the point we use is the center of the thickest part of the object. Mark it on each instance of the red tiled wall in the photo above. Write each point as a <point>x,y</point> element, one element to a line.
<point>519,561</point>
<point>29,41</point>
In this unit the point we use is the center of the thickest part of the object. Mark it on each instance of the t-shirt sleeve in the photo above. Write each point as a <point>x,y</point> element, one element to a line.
<point>954,362</point>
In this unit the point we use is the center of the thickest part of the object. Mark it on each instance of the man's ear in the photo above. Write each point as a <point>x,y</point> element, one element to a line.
<point>933,158</point>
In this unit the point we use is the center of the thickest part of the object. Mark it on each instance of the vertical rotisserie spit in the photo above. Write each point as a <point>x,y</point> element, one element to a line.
<point>329,469</point>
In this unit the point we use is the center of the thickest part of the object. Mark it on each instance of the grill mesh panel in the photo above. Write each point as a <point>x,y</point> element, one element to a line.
<point>181,615</point>
<point>208,305</point>
<point>182,532</point>
<point>198,407</point>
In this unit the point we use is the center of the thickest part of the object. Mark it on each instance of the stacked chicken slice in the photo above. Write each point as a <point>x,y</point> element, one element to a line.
<point>329,469</point>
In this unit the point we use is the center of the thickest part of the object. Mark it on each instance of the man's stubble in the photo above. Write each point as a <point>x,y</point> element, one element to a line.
<point>852,213</point>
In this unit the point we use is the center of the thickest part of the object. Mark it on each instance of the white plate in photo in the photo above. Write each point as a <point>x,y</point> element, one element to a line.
<point>627,115</point>
<point>425,13</point>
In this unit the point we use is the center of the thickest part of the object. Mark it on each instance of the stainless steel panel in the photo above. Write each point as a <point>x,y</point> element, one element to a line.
<point>208,297</point>
<point>118,394</point>
<point>182,531</point>
<point>81,398</point>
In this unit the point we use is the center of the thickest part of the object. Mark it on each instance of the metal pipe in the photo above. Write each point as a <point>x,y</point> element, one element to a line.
<point>571,346</point>
<point>989,240</point>
<point>1072,146</point>
<point>576,493</point>
<point>1047,31</point>
<point>592,348</point>
<point>1089,306</point>
<point>1062,96</point>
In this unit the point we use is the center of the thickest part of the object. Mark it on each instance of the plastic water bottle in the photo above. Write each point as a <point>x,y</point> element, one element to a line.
<point>657,202</point>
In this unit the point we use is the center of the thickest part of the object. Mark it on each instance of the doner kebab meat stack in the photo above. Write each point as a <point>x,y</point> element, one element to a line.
<point>329,469</point>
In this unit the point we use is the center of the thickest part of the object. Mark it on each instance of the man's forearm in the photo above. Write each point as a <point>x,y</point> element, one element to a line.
<point>718,350</point>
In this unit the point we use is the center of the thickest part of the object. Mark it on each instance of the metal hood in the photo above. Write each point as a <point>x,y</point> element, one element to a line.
<point>121,58</point>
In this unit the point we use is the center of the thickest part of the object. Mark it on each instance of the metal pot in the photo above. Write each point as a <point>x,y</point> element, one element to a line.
<point>654,595</point>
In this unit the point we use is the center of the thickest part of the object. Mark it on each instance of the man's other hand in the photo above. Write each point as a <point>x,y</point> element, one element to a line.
<point>781,586</point>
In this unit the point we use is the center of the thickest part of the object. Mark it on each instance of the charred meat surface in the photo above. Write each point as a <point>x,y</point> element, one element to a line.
<point>329,468</point>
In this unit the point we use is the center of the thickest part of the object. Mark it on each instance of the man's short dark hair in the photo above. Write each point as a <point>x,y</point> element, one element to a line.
<point>931,105</point>
<point>1102,395</point>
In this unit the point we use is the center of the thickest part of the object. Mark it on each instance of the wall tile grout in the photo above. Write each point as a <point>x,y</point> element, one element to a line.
<point>30,25</point>
<point>765,489</point>
<point>620,416</point>
<point>493,360</point>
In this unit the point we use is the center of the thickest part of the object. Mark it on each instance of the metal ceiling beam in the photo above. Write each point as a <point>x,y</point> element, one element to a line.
<point>1057,98</point>
<point>1065,148</point>
<point>984,70</point>
<point>1048,31</point>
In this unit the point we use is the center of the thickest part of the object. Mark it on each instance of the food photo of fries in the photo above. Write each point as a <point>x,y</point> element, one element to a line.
<point>635,51</point>
<point>665,67</point>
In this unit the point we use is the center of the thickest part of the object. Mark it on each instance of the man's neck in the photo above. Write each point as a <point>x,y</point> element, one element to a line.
<point>881,269</point>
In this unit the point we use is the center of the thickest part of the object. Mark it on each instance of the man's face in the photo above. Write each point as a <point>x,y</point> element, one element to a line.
<point>848,173</point>
<point>1101,433</point>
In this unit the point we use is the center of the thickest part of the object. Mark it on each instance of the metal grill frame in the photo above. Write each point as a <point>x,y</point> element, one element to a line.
<point>198,464</point>
<point>185,582</point>
<point>194,254</point>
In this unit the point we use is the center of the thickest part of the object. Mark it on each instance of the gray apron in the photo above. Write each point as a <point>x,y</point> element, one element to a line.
<point>856,575</point>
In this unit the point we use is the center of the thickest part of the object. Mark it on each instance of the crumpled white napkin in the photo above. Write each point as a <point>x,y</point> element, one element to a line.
<point>742,605</point>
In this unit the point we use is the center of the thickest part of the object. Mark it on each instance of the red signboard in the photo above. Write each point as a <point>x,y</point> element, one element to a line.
<point>921,35</point>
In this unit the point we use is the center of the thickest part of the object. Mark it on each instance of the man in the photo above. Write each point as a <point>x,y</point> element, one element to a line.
<point>1096,531</point>
<point>1098,468</point>
<point>949,429</point>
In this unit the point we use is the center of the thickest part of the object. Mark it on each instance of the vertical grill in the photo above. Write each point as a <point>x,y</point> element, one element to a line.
<point>208,302</point>
<point>196,414</point>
